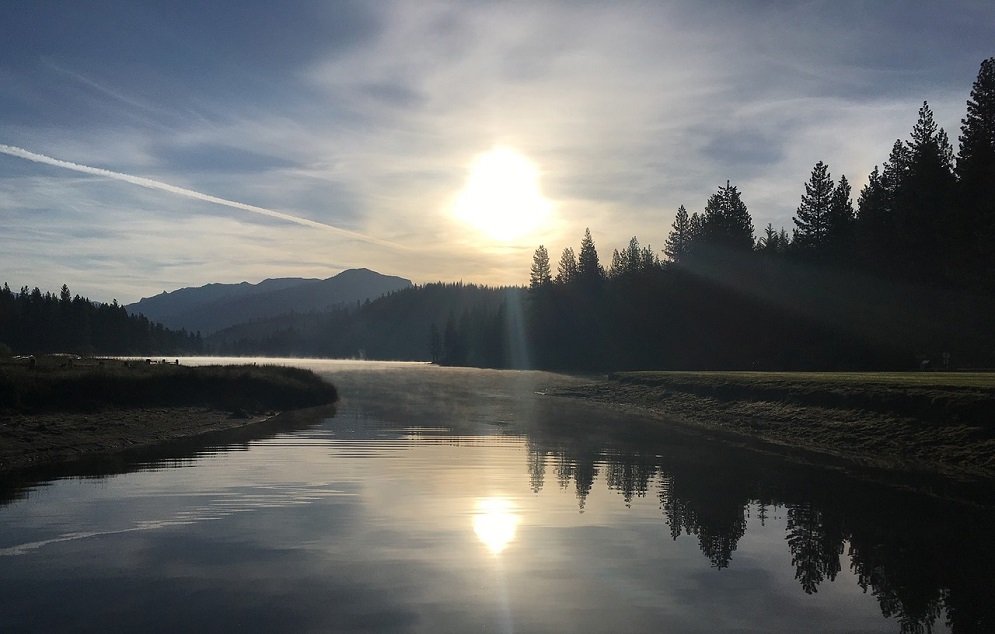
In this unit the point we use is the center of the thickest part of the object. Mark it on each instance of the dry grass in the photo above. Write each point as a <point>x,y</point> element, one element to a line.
<point>56,411</point>
<point>95,385</point>
<point>924,422</point>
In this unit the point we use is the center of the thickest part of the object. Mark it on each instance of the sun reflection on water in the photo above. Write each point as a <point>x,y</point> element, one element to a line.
<point>495,523</point>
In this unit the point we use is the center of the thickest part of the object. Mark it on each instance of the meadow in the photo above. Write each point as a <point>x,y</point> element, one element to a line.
<point>925,422</point>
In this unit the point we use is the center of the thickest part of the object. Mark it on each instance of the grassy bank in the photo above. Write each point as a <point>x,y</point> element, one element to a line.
<point>54,412</point>
<point>95,385</point>
<point>942,423</point>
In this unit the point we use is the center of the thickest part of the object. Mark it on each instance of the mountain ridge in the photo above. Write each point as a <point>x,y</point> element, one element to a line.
<point>216,306</point>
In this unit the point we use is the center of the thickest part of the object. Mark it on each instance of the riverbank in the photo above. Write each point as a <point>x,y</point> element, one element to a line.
<point>932,423</point>
<point>60,412</point>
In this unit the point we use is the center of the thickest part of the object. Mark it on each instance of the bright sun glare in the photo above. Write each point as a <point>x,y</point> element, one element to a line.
<point>495,523</point>
<point>501,197</point>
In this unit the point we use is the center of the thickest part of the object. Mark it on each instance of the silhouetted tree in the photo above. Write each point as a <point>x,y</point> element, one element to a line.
<point>873,221</point>
<point>924,199</point>
<point>567,270</point>
<point>697,229</point>
<point>726,223</point>
<point>616,268</point>
<point>976,171</point>
<point>588,266</point>
<point>679,240</point>
<point>540,275</point>
<point>841,221</point>
<point>631,260</point>
<point>812,219</point>
<point>773,242</point>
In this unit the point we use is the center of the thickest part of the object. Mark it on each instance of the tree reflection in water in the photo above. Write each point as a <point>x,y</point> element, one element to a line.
<point>919,556</point>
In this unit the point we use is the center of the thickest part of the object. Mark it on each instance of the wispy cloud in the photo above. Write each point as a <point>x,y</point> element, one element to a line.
<point>189,193</point>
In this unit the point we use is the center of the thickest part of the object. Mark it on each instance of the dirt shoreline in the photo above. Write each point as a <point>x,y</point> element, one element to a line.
<point>958,449</point>
<point>30,440</point>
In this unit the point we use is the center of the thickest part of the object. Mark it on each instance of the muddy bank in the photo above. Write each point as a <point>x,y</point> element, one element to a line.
<point>942,425</point>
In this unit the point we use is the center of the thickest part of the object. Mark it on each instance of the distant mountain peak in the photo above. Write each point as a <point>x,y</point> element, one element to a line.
<point>215,306</point>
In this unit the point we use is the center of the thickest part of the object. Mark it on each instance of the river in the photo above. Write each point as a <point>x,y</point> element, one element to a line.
<point>442,499</point>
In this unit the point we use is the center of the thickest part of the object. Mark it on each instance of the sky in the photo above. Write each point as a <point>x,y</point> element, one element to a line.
<point>151,146</point>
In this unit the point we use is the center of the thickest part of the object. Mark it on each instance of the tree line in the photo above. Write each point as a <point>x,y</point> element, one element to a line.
<point>904,278</point>
<point>453,322</point>
<point>32,322</point>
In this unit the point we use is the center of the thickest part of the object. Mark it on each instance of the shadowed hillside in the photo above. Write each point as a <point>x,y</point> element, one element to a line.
<point>214,307</point>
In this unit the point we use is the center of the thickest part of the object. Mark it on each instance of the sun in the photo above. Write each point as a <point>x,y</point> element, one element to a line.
<point>502,198</point>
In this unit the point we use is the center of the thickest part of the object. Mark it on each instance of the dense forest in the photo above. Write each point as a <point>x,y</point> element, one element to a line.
<point>903,279</point>
<point>395,326</point>
<point>33,322</point>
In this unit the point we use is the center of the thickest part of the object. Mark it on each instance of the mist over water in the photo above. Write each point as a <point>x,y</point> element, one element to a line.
<point>443,499</point>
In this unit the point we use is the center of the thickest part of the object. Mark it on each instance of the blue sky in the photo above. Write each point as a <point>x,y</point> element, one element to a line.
<point>359,121</point>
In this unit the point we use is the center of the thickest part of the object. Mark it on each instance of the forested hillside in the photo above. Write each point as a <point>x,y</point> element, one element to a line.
<point>397,326</point>
<point>34,322</point>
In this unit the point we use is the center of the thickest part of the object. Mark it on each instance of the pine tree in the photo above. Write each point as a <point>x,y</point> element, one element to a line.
<point>617,268</point>
<point>923,202</point>
<point>774,243</point>
<point>648,259</point>
<point>769,242</point>
<point>873,222</point>
<point>696,231</point>
<point>540,275</point>
<point>841,221</point>
<point>812,218</point>
<point>976,170</point>
<point>679,239</point>
<point>631,259</point>
<point>726,223</point>
<point>588,267</point>
<point>895,173</point>
<point>567,271</point>
<point>877,220</point>
<point>976,159</point>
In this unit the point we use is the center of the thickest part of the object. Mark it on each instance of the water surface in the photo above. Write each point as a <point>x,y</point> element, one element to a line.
<point>440,499</point>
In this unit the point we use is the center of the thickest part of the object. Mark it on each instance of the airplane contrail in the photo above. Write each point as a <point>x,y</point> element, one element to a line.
<point>189,193</point>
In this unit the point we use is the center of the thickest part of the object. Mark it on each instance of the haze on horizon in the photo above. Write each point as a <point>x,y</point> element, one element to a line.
<point>221,145</point>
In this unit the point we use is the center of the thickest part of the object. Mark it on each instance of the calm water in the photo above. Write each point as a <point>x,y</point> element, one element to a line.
<point>455,500</point>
